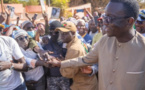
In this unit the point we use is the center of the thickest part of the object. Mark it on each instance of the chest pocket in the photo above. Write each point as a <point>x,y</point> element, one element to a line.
<point>135,80</point>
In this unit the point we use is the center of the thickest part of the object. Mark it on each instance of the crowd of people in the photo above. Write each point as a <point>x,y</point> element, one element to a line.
<point>94,52</point>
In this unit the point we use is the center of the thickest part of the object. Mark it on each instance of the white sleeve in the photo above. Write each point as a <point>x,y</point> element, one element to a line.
<point>30,62</point>
<point>16,51</point>
<point>95,69</point>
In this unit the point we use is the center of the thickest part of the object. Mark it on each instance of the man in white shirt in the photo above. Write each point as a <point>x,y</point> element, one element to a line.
<point>35,76</point>
<point>10,78</point>
<point>93,28</point>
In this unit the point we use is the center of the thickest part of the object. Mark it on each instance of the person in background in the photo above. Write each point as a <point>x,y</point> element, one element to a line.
<point>39,34</point>
<point>76,16</point>
<point>8,20</point>
<point>35,76</point>
<point>96,16</point>
<point>83,31</point>
<point>99,33</point>
<point>2,18</point>
<point>1,29</point>
<point>10,30</point>
<point>93,28</point>
<point>81,81</point>
<point>29,28</point>
<point>140,23</point>
<point>86,46</point>
<point>33,19</point>
<point>54,76</point>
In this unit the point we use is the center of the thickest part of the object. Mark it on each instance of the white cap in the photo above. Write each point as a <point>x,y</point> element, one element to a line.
<point>19,33</point>
<point>24,23</point>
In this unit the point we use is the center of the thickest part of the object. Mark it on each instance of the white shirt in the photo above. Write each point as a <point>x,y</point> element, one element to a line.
<point>93,34</point>
<point>36,73</point>
<point>9,79</point>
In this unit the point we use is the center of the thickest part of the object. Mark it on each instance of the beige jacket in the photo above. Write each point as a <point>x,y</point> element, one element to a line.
<point>80,81</point>
<point>121,65</point>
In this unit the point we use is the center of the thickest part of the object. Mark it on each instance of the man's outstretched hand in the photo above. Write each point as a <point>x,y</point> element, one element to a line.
<point>54,62</point>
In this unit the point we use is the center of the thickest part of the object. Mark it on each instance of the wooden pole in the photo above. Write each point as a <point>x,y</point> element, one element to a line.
<point>49,2</point>
<point>2,6</point>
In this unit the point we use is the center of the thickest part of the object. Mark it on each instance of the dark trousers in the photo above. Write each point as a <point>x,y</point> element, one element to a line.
<point>21,87</point>
<point>40,85</point>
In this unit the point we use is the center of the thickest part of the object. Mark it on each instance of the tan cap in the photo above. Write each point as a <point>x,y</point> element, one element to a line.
<point>67,26</point>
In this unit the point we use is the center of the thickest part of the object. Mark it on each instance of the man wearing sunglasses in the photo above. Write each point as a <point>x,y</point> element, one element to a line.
<point>140,23</point>
<point>29,28</point>
<point>120,53</point>
<point>35,76</point>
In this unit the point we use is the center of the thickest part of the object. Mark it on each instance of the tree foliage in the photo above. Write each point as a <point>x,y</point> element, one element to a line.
<point>63,4</point>
<point>94,3</point>
<point>11,1</point>
<point>33,2</point>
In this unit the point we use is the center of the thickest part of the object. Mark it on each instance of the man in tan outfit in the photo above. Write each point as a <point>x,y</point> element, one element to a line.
<point>120,54</point>
<point>75,49</point>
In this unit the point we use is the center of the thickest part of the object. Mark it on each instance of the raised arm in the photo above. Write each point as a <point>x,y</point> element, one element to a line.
<point>8,19</point>
<point>90,15</point>
<point>45,16</point>
<point>26,14</point>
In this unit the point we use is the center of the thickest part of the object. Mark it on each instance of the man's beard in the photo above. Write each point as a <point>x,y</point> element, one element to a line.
<point>93,30</point>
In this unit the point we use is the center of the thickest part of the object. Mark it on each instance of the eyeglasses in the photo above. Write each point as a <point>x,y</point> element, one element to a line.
<point>22,38</point>
<point>83,26</point>
<point>139,22</point>
<point>142,17</point>
<point>109,19</point>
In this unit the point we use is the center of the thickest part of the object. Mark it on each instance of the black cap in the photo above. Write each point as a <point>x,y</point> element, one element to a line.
<point>54,25</point>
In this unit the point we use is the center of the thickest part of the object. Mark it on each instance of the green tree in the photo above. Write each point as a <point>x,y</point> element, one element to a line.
<point>6,1</point>
<point>33,2</point>
<point>63,4</point>
<point>11,1</point>
<point>24,3</point>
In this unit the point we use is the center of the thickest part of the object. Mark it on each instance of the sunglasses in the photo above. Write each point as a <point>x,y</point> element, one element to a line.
<point>109,19</point>
<point>22,38</point>
<point>139,22</point>
<point>82,26</point>
<point>142,17</point>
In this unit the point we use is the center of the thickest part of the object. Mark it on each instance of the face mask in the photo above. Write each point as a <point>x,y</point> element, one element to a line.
<point>31,33</point>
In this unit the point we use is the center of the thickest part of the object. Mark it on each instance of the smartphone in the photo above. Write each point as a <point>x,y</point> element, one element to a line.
<point>35,16</point>
<point>12,11</point>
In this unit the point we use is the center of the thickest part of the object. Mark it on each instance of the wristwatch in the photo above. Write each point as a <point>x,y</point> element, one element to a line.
<point>12,67</point>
